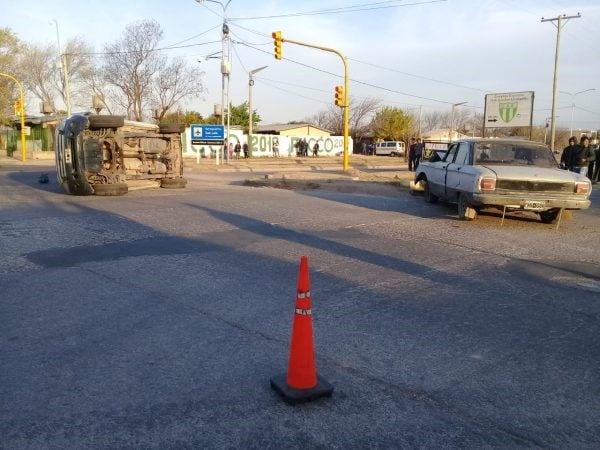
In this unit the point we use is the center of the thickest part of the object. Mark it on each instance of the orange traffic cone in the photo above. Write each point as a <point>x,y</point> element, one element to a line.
<point>301,382</point>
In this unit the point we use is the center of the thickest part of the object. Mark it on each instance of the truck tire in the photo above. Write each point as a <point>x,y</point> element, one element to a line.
<point>171,127</point>
<point>106,190</point>
<point>427,194</point>
<point>173,183</point>
<point>98,122</point>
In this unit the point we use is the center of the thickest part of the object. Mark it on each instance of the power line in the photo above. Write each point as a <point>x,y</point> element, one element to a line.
<point>419,76</point>
<point>194,37</point>
<point>125,52</point>
<point>348,9</point>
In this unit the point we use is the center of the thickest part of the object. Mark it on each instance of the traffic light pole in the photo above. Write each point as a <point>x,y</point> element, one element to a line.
<point>346,105</point>
<point>22,97</point>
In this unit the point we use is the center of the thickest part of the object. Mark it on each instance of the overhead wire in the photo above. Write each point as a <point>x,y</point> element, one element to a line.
<point>342,10</point>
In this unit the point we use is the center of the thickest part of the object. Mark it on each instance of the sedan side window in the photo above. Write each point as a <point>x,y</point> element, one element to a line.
<point>462,155</point>
<point>451,152</point>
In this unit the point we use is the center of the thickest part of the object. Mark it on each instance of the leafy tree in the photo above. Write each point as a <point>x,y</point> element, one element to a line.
<point>185,117</point>
<point>361,112</point>
<point>391,123</point>
<point>10,47</point>
<point>239,115</point>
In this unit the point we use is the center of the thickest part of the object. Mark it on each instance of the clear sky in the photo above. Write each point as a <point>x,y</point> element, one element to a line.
<point>406,53</point>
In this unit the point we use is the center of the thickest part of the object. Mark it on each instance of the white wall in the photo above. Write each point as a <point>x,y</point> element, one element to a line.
<point>262,145</point>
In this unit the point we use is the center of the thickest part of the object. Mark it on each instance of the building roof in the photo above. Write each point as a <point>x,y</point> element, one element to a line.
<point>279,127</point>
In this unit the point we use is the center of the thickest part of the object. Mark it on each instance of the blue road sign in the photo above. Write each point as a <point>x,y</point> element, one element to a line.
<point>207,134</point>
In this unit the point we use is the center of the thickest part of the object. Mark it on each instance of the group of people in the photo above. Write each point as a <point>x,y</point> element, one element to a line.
<point>415,152</point>
<point>302,148</point>
<point>581,158</point>
<point>236,150</point>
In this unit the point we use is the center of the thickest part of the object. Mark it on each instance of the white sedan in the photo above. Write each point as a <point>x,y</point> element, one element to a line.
<point>508,174</point>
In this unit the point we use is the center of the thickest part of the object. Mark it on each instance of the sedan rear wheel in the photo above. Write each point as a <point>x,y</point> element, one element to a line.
<point>465,210</point>
<point>550,216</point>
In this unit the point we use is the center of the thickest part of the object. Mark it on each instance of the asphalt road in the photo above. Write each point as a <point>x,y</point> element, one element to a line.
<point>155,320</point>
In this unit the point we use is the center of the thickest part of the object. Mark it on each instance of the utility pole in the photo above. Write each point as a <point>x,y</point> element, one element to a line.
<point>225,72</point>
<point>558,26</point>
<point>62,63</point>
<point>250,84</point>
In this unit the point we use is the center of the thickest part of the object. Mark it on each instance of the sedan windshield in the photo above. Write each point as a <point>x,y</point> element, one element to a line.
<point>513,153</point>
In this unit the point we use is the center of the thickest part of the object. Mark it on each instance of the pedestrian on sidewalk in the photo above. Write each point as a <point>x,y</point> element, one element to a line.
<point>411,153</point>
<point>237,149</point>
<point>316,149</point>
<point>276,147</point>
<point>245,147</point>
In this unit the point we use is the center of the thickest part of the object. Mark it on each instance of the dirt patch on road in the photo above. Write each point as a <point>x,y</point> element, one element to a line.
<point>371,184</point>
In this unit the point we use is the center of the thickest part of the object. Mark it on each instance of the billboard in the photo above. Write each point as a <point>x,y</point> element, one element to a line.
<point>512,109</point>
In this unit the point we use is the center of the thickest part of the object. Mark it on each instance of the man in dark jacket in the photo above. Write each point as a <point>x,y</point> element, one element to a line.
<point>566,159</point>
<point>582,156</point>
<point>411,153</point>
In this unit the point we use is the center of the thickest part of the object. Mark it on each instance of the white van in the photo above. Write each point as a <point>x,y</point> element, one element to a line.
<point>390,148</point>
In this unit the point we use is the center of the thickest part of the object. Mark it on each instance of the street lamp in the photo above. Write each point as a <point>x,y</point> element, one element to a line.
<point>250,84</point>
<point>454,105</point>
<point>225,69</point>
<point>573,104</point>
<point>62,64</point>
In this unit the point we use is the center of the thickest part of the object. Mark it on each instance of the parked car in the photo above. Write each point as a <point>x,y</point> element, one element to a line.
<point>508,174</point>
<point>106,155</point>
<point>390,148</point>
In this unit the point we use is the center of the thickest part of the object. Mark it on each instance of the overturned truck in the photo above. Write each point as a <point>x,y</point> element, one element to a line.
<point>108,155</point>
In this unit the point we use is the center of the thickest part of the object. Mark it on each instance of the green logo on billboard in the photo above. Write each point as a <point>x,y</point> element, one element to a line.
<point>508,111</point>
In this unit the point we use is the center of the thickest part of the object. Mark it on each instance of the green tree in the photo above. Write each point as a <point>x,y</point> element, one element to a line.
<point>240,115</point>
<point>185,117</point>
<point>391,123</point>
<point>10,47</point>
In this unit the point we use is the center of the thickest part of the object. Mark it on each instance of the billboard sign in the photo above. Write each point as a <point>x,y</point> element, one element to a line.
<point>207,134</point>
<point>513,109</point>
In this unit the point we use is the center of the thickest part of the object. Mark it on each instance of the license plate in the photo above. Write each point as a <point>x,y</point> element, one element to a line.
<point>533,205</point>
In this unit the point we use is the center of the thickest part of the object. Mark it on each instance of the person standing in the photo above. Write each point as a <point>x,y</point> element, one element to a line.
<point>245,147</point>
<point>566,158</point>
<point>419,147</point>
<point>276,148</point>
<point>596,174</point>
<point>305,147</point>
<point>582,155</point>
<point>316,149</point>
<point>237,149</point>
<point>411,153</point>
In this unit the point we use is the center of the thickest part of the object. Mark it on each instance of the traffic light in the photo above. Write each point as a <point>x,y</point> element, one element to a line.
<point>277,41</point>
<point>339,95</point>
<point>17,107</point>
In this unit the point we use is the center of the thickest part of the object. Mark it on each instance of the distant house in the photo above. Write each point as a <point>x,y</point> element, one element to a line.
<point>443,135</point>
<point>292,129</point>
<point>39,134</point>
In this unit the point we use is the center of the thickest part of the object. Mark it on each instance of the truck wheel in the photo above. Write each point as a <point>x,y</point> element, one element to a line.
<point>550,216</point>
<point>171,127</point>
<point>110,189</point>
<point>173,183</point>
<point>465,211</point>
<point>427,195</point>
<point>97,122</point>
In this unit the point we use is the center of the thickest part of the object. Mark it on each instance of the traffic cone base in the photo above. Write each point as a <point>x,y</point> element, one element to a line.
<point>294,396</point>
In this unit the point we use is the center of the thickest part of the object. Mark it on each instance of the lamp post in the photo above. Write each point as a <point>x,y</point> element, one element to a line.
<point>573,104</point>
<point>454,105</point>
<point>62,64</point>
<point>250,84</point>
<point>225,70</point>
